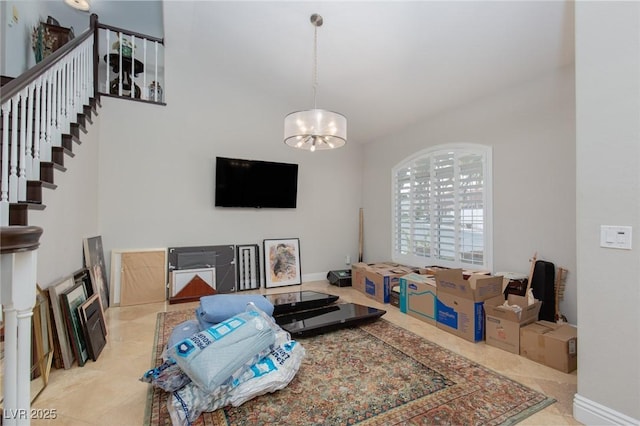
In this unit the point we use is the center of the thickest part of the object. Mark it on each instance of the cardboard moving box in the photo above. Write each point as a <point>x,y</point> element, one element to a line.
<point>459,307</point>
<point>551,344</point>
<point>357,275</point>
<point>418,296</point>
<point>502,326</point>
<point>378,281</point>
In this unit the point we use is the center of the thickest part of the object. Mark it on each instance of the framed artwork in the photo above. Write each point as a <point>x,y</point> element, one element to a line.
<point>281,262</point>
<point>182,277</point>
<point>94,325</point>
<point>248,265</point>
<point>55,292</point>
<point>71,300</point>
<point>42,344</point>
<point>94,261</point>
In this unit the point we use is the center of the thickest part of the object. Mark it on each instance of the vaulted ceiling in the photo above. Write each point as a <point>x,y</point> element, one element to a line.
<point>384,64</point>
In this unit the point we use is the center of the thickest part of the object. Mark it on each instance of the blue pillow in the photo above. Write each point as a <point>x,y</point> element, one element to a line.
<point>201,321</point>
<point>220,307</point>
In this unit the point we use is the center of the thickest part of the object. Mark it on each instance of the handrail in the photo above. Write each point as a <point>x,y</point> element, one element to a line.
<point>17,84</point>
<point>128,32</point>
<point>14,239</point>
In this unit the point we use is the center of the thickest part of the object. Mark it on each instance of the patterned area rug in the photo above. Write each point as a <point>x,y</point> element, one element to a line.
<point>374,374</point>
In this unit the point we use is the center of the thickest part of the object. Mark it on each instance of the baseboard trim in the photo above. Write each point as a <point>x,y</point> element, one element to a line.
<point>591,413</point>
<point>317,276</point>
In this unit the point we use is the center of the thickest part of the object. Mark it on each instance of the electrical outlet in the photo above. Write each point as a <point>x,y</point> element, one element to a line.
<point>347,260</point>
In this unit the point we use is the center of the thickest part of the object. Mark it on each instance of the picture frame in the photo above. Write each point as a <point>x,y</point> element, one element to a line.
<point>71,300</point>
<point>94,325</point>
<point>248,267</point>
<point>281,262</point>
<point>55,295</point>
<point>94,261</point>
<point>42,344</point>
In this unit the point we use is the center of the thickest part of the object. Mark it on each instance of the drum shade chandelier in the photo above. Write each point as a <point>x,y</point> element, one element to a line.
<point>315,128</point>
<point>79,4</point>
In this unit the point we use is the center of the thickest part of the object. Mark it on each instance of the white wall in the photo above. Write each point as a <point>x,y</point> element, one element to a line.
<point>17,55</point>
<point>531,130</point>
<point>171,153</point>
<point>608,193</point>
<point>157,166</point>
<point>71,212</point>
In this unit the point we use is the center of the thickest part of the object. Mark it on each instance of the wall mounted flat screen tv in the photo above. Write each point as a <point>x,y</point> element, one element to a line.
<point>253,183</point>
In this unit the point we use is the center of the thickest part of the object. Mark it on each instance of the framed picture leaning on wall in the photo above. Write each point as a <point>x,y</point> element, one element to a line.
<point>71,300</point>
<point>281,262</point>
<point>94,261</point>
<point>55,296</point>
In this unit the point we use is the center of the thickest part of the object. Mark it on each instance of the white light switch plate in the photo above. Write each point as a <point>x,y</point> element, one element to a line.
<point>615,237</point>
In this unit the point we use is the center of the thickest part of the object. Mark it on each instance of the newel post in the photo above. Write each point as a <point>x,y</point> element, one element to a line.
<point>18,270</point>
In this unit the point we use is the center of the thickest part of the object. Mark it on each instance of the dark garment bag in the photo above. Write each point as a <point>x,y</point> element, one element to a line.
<point>543,285</point>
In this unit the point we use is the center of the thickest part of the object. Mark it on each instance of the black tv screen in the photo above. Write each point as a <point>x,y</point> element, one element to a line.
<point>258,184</point>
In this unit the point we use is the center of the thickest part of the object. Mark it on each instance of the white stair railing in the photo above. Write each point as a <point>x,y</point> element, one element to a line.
<point>48,104</point>
<point>128,62</point>
<point>38,108</point>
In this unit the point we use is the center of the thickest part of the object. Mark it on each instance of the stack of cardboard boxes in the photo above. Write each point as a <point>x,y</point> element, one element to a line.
<point>377,279</point>
<point>471,305</point>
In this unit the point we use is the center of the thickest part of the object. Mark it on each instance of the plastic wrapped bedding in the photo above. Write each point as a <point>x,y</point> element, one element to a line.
<point>211,356</point>
<point>271,373</point>
<point>167,376</point>
<point>182,331</point>
<point>220,307</point>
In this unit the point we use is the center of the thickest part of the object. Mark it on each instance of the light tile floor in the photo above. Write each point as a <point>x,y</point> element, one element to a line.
<point>107,392</point>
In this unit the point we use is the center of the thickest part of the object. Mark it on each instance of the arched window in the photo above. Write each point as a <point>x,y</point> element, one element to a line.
<point>441,205</point>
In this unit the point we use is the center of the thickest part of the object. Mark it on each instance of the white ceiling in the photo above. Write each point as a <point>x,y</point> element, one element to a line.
<point>383,64</point>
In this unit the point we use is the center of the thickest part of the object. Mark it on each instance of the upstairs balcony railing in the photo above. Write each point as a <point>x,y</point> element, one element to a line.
<point>41,109</point>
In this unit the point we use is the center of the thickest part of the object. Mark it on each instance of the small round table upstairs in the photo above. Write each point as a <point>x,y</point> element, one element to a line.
<point>128,64</point>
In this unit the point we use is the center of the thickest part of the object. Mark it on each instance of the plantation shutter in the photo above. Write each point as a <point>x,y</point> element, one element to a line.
<point>444,207</point>
<point>421,232</point>
<point>439,210</point>
<point>403,210</point>
<point>471,199</point>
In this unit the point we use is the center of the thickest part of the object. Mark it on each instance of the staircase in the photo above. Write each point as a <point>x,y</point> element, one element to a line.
<point>18,211</point>
<point>46,110</point>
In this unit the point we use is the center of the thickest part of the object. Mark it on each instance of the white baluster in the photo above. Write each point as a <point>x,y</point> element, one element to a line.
<point>64,93</point>
<point>67,93</point>
<point>55,141</point>
<point>45,117</point>
<point>59,106</point>
<point>49,113</point>
<point>120,65</point>
<point>13,155</point>
<point>144,74</point>
<point>37,132</point>
<point>132,77</point>
<point>29,144</point>
<point>107,83</point>
<point>22,177</point>
<point>155,75</point>
<point>4,170</point>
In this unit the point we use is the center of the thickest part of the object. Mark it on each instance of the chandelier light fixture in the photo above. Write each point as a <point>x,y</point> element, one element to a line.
<point>82,5</point>
<point>315,128</point>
